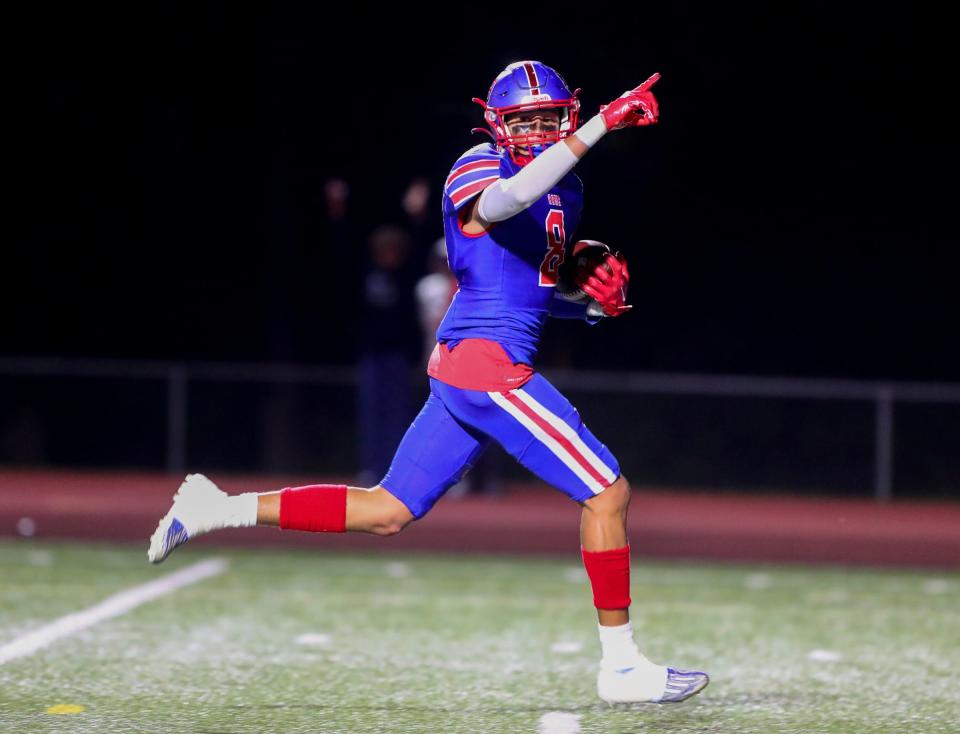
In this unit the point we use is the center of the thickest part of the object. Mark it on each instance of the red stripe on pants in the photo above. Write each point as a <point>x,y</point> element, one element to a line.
<point>556,436</point>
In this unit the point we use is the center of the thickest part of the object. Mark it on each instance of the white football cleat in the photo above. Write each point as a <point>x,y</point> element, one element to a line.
<point>645,682</point>
<point>198,507</point>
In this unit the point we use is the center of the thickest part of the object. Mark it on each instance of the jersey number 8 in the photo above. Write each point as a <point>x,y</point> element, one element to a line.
<point>556,238</point>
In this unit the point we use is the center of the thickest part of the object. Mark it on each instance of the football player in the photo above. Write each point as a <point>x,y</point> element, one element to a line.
<point>510,207</point>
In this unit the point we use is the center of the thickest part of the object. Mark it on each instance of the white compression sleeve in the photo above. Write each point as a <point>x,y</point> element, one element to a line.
<point>510,196</point>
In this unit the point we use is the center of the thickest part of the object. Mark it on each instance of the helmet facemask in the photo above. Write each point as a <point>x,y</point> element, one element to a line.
<point>525,142</point>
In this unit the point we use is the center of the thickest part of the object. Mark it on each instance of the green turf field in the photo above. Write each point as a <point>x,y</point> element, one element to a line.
<point>468,644</point>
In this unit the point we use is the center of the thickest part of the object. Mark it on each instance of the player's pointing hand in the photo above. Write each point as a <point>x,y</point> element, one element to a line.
<point>634,108</point>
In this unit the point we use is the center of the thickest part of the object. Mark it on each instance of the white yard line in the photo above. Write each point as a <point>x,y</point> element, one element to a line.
<point>558,722</point>
<point>110,607</point>
<point>313,638</point>
<point>397,570</point>
<point>575,574</point>
<point>757,581</point>
<point>824,656</point>
<point>936,586</point>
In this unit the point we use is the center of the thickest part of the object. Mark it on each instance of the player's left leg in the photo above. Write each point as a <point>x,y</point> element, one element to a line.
<point>626,675</point>
<point>543,431</point>
<point>604,547</point>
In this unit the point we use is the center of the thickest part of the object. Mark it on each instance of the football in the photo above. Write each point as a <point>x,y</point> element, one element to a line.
<point>586,255</point>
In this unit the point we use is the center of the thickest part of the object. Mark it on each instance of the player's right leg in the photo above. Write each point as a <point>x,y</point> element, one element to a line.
<point>199,507</point>
<point>433,455</point>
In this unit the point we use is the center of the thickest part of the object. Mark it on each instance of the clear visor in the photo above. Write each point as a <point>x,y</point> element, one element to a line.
<point>532,122</point>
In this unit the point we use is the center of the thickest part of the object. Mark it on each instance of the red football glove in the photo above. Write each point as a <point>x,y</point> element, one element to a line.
<point>634,108</point>
<point>609,288</point>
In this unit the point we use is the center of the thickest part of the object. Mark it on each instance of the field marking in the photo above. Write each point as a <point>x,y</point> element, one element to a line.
<point>758,581</point>
<point>40,558</point>
<point>397,570</point>
<point>824,656</point>
<point>66,708</point>
<point>936,586</point>
<point>313,638</point>
<point>575,574</point>
<point>566,647</point>
<point>112,606</point>
<point>558,722</point>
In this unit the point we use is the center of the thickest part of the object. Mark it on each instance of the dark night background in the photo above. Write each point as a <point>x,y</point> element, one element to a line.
<point>791,214</point>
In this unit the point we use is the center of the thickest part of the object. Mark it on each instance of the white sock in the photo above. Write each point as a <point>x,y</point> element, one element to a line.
<point>241,510</point>
<point>619,649</point>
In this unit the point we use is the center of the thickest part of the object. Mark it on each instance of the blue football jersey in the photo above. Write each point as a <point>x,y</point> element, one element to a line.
<point>507,275</point>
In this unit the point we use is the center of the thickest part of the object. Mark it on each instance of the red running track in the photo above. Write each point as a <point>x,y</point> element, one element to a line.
<point>125,506</point>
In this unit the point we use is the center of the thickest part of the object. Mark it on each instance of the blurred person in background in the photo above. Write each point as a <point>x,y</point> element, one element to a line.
<point>388,348</point>
<point>415,203</point>
<point>434,292</point>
